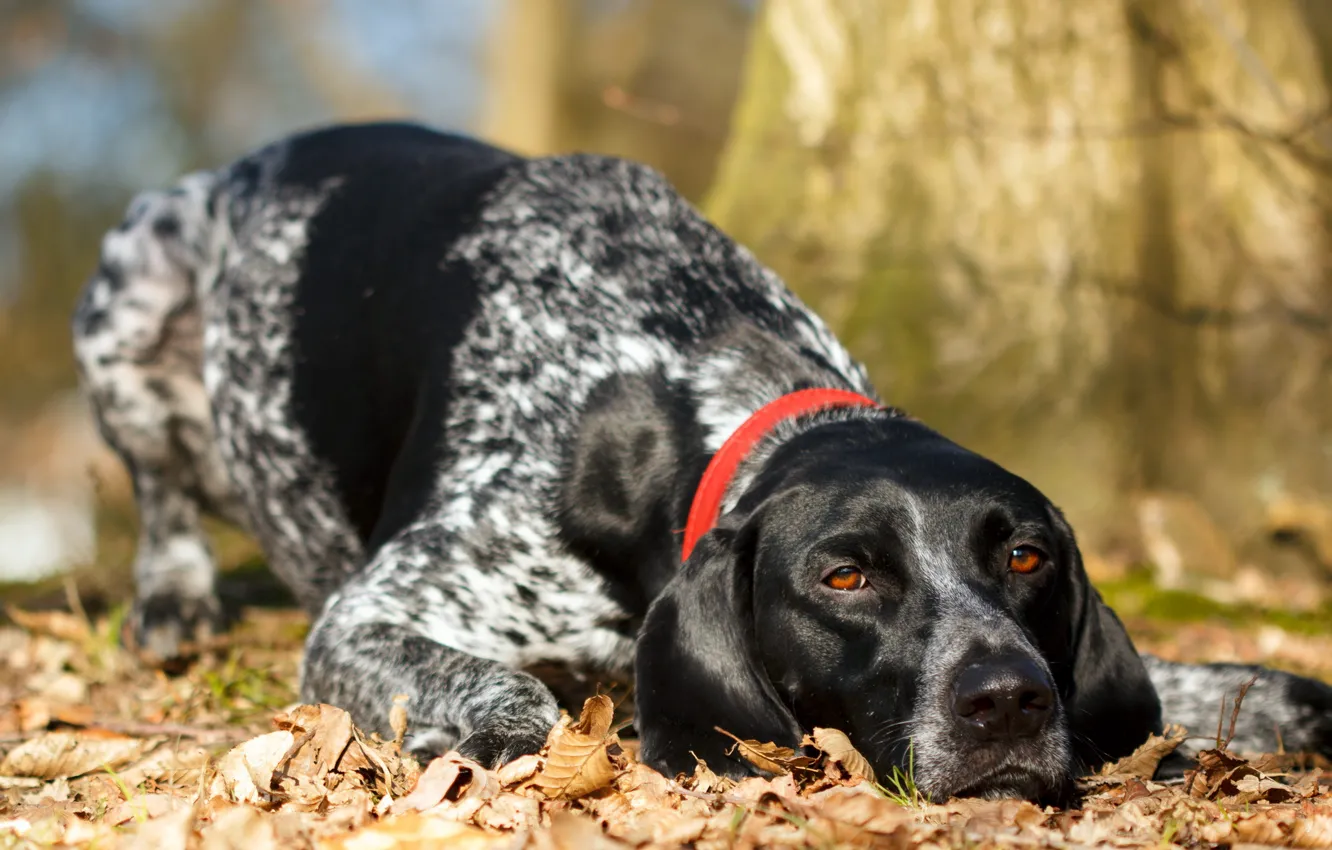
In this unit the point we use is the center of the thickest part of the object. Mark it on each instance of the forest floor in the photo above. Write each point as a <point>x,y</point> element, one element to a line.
<point>99,750</point>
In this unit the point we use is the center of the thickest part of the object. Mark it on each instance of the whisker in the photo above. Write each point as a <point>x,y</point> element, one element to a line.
<point>890,726</point>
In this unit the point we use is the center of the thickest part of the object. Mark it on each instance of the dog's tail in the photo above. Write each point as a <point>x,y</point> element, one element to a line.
<point>1279,711</point>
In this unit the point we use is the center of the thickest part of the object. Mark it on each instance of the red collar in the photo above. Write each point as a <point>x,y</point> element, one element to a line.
<point>721,469</point>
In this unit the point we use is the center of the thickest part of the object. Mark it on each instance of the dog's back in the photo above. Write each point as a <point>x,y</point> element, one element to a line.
<point>412,321</point>
<point>339,306</point>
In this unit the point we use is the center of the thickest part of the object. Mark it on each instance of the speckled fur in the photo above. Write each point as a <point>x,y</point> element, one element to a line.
<point>1274,715</point>
<point>587,268</point>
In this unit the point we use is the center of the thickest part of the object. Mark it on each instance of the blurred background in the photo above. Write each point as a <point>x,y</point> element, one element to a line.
<point>1091,239</point>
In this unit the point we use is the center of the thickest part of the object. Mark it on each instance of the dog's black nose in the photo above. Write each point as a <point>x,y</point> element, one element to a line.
<point>1002,699</point>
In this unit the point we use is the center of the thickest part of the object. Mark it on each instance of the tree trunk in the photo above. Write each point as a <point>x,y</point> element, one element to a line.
<point>653,80</point>
<point>1089,239</point>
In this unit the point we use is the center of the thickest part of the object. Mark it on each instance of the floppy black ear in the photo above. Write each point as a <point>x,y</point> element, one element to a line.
<point>697,669</point>
<point>1111,704</point>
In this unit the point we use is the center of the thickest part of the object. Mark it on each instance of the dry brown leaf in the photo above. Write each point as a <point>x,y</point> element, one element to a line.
<point>767,756</point>
<point>1213,767</point>
<point>838,749</point>
<point>240,828</point>
<point>1312,831</point>
<point>82,833</point>
<point>73,715</point>
<point>577,763</point>
<point>329,754</point>
<point>60,625</point>
<point>143,807</point>
<point>169,832</point>
<point>595,719</point>
<point>1244,785</point>
<point>518,771</point>
<point>416,830</point>
<point>313,766</point>
<point>509,812</point>
<point>167,764</point>
<point>29,715</point>
<point>750,789</point>
<point>1262,827</point>
<point>644,787</point>
<point>706,782</point>
<point>569,831</point>
<point>55,791</point>
<point>1143,762</point>
<point>450,777</point>
<point>859,807</point>
<point>245,774</point>
<point>72,753</point>
<point>664,827</point>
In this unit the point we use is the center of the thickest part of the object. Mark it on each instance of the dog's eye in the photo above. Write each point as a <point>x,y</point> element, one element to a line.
<point>845,578</point>
<point>1025,559</point>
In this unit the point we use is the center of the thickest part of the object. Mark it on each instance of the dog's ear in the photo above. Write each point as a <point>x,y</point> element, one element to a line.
<point>696,668</point>
<point>1109,699</point>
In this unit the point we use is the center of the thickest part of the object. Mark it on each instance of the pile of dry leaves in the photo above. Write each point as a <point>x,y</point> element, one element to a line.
<point>315,780</point>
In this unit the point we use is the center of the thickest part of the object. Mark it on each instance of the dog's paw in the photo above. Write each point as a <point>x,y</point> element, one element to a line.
<point>494,747</point>
<point>167,628</point>
<point>491,747</point>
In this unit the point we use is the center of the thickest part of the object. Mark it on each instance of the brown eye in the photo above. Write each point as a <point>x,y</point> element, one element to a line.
<point>845,578</point>
<point>1025,559</point>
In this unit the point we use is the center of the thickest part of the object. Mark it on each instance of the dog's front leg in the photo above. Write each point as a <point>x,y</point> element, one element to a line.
<point>486,711</point>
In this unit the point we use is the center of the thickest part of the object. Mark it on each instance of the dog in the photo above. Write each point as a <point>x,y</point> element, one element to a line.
<point>507,426</point>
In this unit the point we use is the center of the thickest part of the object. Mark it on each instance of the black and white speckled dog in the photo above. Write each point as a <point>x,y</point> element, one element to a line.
<point>465,400</point>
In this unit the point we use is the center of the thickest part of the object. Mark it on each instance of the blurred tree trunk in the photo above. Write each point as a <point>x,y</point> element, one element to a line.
<point>1090,239</point>
<point>526,62</point>
<point>654,80</point>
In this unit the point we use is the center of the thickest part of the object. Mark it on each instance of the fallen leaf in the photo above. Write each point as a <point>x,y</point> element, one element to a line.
<point>1312,831</point>
<point>167,764</point>
<point>860,808</point>
<point>569,831</point>
<point>577,763</point>
<point>245,774</point>
<point>60,625</point>
<point>142,807</point>
<point>1143,762</point>
<point>73,715</point>
<point>768,757</point>
<point>518,771</point>
<point>312,767</point>
<point>329,754</point>
<point>30,715</point>
<point>72,753</point>
<point>1213,766</point>
<point>65,689</point>
<point>169,832</point>
<point>838,749</point>
<point>644,787</point>
<point>20,782</point>
<point>55,791</point>
<point>509,812</point>
<point>1261,827</point>
<point>1244,785</point>
<point>449,777</point>
<point>706,782</point>
<point>241,827</point>
<point>415,830</point>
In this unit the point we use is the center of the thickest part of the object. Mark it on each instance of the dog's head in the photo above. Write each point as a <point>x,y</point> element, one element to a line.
<point>877,578</point>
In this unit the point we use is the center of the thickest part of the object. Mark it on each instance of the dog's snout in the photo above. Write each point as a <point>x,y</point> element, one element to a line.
<point>1002,699</point>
